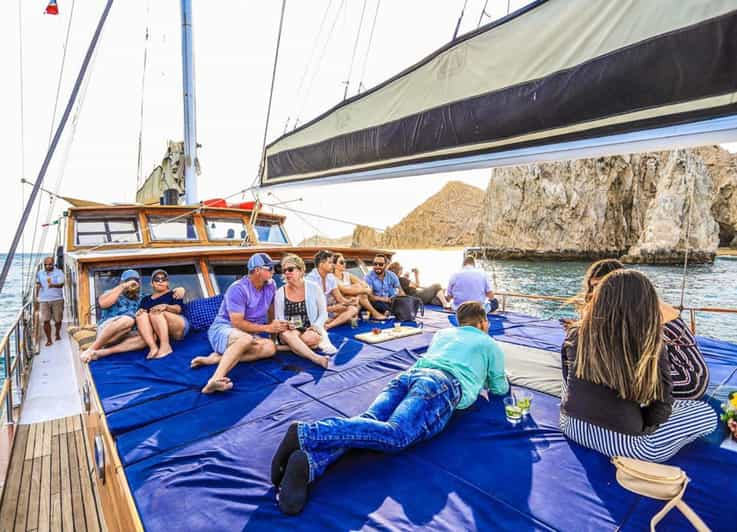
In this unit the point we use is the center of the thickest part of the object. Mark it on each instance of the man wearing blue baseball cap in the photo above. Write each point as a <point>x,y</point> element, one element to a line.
<point>115,330</point>
<point>236,335</point>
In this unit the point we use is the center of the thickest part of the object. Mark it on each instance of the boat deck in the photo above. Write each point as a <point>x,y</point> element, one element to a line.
<point>50,484</point>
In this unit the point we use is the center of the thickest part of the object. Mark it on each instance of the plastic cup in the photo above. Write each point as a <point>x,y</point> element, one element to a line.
<point>524,401</point>
<point>397,326</point>
<point>365,315</point>
<point>512,410</point>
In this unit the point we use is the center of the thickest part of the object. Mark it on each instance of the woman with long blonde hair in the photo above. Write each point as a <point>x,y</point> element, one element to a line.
<point>617,391</point>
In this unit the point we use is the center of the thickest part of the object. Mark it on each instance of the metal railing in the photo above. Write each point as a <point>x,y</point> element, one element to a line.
<point>16,349</point>
<point>571,300</point>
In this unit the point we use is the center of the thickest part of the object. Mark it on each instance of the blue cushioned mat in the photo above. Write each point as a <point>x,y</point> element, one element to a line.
<point>196,462</point>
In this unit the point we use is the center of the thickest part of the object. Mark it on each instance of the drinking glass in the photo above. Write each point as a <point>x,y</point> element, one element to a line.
<point>354,322</point>
<point>512,410</point>
<point>365,315</point>
<point>524,401</point>
<point>296,321</point>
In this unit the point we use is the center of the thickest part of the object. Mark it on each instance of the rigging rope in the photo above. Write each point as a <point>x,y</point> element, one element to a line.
<point>271,91</point>
<point>688,238</point>
<point>368,48</point>
<point>483,12</point>
<point>143,91</point>
<point>309,62</point>
<point>320,216</point>
<point>22,136</point>
<point>460,18</point>
<point>51,132</point>
<point>355,48</point>
<point>318,64</point>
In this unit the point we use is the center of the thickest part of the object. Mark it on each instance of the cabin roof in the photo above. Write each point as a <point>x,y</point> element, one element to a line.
<point>137,254</point>
<point>169,209</point>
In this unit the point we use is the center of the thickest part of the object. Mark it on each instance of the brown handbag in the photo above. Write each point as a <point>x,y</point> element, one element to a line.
<point>658,481</point>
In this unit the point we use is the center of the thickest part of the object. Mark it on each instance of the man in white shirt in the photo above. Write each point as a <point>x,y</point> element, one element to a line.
<point>340,309</point>
<point>50,296</point>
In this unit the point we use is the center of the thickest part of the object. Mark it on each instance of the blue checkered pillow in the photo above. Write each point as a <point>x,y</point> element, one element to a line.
<point>201,312</point>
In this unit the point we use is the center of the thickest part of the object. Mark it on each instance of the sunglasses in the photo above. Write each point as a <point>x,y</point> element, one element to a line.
<point>289,269</point>
<point>379,264</point>
<point>160,279</point>
<point>340,262</point>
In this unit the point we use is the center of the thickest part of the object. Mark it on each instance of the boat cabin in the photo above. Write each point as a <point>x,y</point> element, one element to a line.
<point>203,249</point>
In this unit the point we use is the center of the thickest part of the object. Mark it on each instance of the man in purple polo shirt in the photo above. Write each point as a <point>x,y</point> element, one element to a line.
<point>471,284</point>
<point>235,335</point>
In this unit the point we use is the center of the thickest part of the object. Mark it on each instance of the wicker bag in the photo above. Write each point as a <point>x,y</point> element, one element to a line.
<point>657,481</point>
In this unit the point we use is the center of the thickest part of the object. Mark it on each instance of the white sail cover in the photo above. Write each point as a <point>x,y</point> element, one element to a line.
<point>557,79</point>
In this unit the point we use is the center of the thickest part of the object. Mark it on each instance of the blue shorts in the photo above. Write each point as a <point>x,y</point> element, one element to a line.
<point>221,334</point>
<point>187,326</point>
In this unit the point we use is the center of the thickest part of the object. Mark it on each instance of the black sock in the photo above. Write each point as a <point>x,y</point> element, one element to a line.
<point>288,445</point>
<point>293,488</point>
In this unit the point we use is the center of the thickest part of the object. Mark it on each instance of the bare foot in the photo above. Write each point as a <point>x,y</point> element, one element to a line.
<point>209,360</point>
<point>218,385</point>
<point>377,315</point>
<point>152,352</point>
<point>323,361</point>
<point>48,342</point>
<point>164,350</point>
<point>87,355</point>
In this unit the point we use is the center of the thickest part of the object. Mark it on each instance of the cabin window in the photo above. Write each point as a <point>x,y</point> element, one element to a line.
<point>172,229</point>
<point>184,275</point>
<point>96,231</point>
<point>271,232</point>
<point>227,274</point>
<point>226,229</point>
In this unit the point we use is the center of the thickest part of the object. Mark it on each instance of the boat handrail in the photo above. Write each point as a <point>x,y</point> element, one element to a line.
<point>15,364</point>
<point>570,300</point>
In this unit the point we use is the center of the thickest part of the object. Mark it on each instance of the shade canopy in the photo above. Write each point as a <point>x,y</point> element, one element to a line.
<point>558,79</point>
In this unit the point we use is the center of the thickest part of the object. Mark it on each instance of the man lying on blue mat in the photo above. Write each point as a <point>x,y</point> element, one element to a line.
<point>414,406</point>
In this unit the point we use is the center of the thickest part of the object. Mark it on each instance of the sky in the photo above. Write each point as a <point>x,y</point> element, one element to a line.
<point>234,45</point>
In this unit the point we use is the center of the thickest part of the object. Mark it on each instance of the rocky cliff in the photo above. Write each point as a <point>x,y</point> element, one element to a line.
<point>449,218</point>
<point>646,207</point>
<point>320,240</point>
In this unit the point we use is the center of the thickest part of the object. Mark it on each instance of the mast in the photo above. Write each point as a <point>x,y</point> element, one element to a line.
<point>190,127</point>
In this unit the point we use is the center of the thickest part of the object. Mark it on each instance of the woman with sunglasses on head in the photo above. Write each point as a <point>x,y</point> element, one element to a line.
<point>617,392</point>
<point>688,370</point>
<point>353,287</point>
<point>303,303</point>
<point>160,316</point>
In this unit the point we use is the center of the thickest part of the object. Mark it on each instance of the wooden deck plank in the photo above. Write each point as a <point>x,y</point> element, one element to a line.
<point>34,497</point>
<point>44,505</point>
<point>31,441</point>
<point>88,498</point>
<point>55,501</point>
<point>21,512</point>
<point>48,429</point>
<point>74,473</point>
<point>67,517</point>
<point>12,486</point>
<point>39,444</point>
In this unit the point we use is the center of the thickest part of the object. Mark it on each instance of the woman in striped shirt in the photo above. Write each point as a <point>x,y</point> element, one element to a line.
<point>617,395</point>
<point>688,370</point>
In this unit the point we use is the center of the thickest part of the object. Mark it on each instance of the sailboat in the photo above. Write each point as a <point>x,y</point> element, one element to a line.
<point>143,449</point>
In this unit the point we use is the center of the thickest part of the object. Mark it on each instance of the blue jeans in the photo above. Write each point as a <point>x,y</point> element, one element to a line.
<point>414,406</point>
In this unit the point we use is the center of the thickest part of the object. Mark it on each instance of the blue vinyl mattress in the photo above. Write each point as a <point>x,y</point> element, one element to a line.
<point>196,462</point>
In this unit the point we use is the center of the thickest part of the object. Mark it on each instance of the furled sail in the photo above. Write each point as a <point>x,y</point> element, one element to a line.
<point>558,79</point>
<point>168,175</point>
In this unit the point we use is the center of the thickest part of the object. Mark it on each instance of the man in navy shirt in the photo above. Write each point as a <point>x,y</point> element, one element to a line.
<point>384,285</point>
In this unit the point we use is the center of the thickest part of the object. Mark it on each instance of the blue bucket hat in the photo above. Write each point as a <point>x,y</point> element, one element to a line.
<point>127,275</point>
<point>260,260</point>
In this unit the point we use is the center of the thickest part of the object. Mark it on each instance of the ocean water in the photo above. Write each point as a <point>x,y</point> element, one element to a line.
<point>713,285</point>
